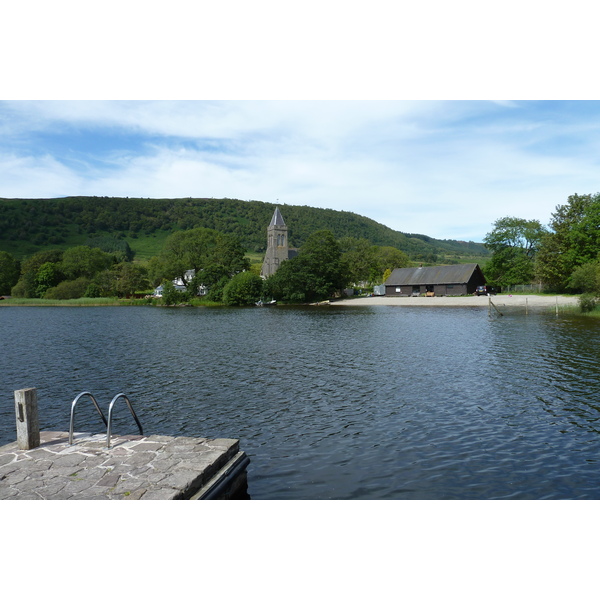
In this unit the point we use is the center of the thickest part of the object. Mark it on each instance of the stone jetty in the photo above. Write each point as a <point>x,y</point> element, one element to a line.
<point>56,465</point>
<point>135,467</point>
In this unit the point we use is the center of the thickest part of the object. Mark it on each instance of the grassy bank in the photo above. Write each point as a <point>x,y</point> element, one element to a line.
<point>73,302</point>
<point>577,312</point>
<point>98,302</point>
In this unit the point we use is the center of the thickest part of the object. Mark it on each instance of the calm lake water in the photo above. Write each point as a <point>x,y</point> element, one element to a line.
<point>333,402</point>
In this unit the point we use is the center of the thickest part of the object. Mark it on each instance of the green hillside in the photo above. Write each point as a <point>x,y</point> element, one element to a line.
<point>30,225</point>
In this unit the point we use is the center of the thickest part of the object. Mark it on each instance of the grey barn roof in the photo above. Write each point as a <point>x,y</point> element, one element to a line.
<point>432,275</point>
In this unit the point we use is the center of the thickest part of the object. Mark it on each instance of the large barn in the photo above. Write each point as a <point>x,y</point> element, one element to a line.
<point>453,280</point>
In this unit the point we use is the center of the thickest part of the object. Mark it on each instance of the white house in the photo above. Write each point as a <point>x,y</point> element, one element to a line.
<point>180,285</point>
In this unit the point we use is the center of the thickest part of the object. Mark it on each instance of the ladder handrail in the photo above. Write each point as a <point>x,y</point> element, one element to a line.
<point>72,422</point>
<point>110,409</point>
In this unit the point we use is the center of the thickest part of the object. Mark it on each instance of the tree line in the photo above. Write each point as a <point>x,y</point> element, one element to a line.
<point>78,272</point>
<point>30,225</point>
<point>565,256</point>
<point>323,267</point>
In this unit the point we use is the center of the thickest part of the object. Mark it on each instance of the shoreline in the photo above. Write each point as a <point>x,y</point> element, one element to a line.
<point>500,300</point>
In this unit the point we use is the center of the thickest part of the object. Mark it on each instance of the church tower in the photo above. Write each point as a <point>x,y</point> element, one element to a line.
<point>277,245</point>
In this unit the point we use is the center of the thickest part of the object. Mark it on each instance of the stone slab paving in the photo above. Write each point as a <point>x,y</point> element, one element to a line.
<point>135,467</point>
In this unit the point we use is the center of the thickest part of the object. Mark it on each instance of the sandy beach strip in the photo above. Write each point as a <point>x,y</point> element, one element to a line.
<point>500,300</point>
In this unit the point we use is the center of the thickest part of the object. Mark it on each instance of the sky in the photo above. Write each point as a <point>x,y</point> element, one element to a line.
<point>391,113</point>
<point>445,168</point>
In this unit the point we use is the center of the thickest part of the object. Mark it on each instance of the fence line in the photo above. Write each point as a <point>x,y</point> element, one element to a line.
<point>531,287</point>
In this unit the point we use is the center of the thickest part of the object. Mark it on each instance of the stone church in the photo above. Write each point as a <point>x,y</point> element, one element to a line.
<point>278,248</point>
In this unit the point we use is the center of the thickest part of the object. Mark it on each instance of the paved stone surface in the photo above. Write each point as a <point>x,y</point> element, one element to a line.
<point>155,467</point>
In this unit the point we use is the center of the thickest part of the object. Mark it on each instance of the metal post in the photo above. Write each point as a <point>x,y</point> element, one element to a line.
<point>28,427</point>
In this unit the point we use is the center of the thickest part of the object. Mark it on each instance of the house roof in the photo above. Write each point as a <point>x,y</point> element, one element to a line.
<point>277,220</point>
<point>433,275</point>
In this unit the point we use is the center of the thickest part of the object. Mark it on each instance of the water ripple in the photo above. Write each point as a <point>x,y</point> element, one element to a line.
<point>380,402</point>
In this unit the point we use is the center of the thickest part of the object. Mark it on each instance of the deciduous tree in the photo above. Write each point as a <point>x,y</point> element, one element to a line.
<point>83,261</point>
<point>359,259</point>
<point>586,278</point>
<point>10,269</point>
<point>129,278</point>
<point>573,241</point>
<point>206,251</point>
<point>47,276</point>
<point>67,290</point>
<point>514,243</point>
<point>315,274</point>
<point>390,258</point>
<point>242,289</point>
<point>27,286</point>
<point>170,295</point>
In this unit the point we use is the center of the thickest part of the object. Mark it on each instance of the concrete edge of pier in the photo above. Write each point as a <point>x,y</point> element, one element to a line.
<point>135,467</point>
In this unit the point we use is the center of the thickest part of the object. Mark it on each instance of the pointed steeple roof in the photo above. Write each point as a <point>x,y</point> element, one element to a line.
<point>277,220</point>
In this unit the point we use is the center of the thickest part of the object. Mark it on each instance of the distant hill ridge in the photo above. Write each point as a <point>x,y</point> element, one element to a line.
<point>28,225</point>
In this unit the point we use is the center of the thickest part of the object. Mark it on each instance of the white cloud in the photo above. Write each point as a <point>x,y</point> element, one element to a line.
<point>25,177</point>
<point>442,169</point>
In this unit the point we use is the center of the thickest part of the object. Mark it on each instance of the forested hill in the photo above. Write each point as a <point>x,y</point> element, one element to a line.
<point>28,225</point>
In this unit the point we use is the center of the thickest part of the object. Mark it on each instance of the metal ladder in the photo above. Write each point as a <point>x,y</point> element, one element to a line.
<point>110,412</point>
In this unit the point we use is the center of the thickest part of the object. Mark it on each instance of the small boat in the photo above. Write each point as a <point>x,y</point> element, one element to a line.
<point>270,303</point>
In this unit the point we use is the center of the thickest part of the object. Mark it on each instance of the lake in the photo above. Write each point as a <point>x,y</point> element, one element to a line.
<point>333,402</point>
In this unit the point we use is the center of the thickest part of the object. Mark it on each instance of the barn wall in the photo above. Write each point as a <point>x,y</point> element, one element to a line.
<point>456,289</point>
<point>476,279</point>
<point>394,290</point>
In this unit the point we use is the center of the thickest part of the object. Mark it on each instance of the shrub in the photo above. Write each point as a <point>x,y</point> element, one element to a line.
<point>10,269</point>
<point>67,290</point>
<point>587,302</point>
<point>586,278</point>
<point>244,288</point>
<point>93,291</point>
<point>21,289</point>
<point>215,293</point>
<point>171,295</point>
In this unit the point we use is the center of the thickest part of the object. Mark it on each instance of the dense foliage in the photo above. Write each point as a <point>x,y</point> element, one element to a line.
<point>77,272</point>
<point>573,242</point>
<point>586,278</point>
<point>365,264</point>
<point>315,274</point>
<point>565,257</point>
<point>55,248</point>
<point>211,254</point>
<point>243,288</point>
<point>27,226</point>
<point>10,269</point>
<point>514,244</point>
<point>587,302</point>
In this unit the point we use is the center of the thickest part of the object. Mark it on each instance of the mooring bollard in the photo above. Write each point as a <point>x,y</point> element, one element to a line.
<point>28,427</point>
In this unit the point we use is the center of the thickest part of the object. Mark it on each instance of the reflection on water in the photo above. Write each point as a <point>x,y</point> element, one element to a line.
<point>333,402</point>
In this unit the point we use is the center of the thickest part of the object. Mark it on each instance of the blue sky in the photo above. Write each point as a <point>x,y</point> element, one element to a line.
<point>447,169</point>
<point>388,112</point>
